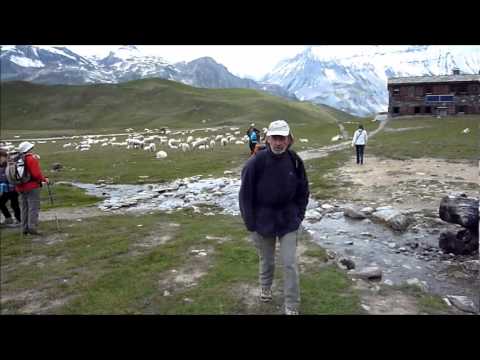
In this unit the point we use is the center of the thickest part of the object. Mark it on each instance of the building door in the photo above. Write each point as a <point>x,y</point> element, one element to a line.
<point>442,111</point>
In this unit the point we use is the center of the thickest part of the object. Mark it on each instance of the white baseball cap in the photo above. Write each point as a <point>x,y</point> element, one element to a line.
<point>278,127</point>
<point>25,146</point>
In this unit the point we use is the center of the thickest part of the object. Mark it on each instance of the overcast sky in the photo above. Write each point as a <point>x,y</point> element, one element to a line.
<point>242,60</point>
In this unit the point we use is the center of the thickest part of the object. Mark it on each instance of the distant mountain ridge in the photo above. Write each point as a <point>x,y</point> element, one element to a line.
<point>59,65</point>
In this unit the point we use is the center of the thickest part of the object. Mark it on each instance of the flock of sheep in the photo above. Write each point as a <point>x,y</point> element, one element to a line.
<point>153,140</point>
<point>149,141</point>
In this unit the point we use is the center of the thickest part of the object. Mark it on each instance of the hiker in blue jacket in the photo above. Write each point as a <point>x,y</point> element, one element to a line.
<point>273,199</point>
<point>8,193</point>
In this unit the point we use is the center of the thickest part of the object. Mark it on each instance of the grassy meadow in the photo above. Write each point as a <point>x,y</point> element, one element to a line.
<point>111,265</point>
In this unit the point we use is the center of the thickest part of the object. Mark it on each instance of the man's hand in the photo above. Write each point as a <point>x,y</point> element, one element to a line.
<point>46,181</point>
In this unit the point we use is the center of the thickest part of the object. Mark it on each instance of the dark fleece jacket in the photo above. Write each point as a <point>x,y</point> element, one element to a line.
<point>273,194</point>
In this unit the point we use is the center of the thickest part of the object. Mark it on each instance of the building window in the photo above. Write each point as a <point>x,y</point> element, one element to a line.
<point>428,89</point>
<point>463,88</point>
<point>439,98</point>
<point>461,109</point>
<point>396,110</point>
<point>428,110</point>
<point>474,89</point>
<point>444,98</point>
<point>417,110</point>
<point>396,91</point>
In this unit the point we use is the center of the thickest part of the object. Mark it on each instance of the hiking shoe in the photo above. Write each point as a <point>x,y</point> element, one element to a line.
<point>290,311</point>
<point>34,232</point>
<point>266,294</point>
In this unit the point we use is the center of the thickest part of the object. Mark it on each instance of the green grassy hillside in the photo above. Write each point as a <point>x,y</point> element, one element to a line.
<point>148,103</point>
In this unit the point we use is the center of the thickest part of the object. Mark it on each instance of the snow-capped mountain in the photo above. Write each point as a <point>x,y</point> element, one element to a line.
<point>59,65</point>
<point>206,72</point>
<point>358,84</point>
<point>47,64</point>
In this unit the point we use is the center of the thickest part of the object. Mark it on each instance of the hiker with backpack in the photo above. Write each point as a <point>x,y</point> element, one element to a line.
<point>8,193</point>
<point>25,172</point>
<point>253,138</point>
<point>273,199</point>
<point>359,140</point>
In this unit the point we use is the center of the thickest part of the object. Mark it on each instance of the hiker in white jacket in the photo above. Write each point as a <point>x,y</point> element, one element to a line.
<point>360,139</point>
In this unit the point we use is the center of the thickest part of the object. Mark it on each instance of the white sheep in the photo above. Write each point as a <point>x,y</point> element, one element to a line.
<point>173,143</point>
<point>466,131</point>
<point>212,143</point>
<point>189,139</point>
<point>67,145</point>
<point>150,147</point>
<point>161,154</point>
<point>185,147</point>
<point>223,142</point>
<point>198,142</point>
<point>303,140</point>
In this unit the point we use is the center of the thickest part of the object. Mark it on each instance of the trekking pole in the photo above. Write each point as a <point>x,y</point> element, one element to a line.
<point>51,202</point>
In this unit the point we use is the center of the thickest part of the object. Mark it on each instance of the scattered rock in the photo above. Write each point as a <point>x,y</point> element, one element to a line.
<point>367,210</point>
<point>393,218</point>
<point>368,273</point>
<point>471,265</point>
<point>327,206</point>
<point>347,263</point>
<point>388,282</point>
<point>365,307</point>
<point>57,166</point>
<point>348,242</point>
<point>166,293</point>
<point>331,254</point>
<point>353,214</point>
<point>463,303</point>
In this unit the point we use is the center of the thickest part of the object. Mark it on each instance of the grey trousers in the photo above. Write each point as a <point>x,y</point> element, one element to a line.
<point>30,208</point>
<point>288,253</point>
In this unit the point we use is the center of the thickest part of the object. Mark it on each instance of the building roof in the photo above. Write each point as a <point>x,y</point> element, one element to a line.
<point>434,79</point>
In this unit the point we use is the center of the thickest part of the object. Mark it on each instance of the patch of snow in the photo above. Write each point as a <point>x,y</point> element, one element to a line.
<point>26,62</point>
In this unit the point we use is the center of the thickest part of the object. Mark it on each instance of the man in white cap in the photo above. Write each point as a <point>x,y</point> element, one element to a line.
<point>273,199</point>
<point>30,190</point>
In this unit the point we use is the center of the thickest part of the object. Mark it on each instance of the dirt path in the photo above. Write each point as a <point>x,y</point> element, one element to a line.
<point>326,150</point>
<point>72,213</point>
<point>413,183</point>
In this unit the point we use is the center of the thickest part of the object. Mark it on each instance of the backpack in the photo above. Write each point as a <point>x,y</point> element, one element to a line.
<point>16,171</point>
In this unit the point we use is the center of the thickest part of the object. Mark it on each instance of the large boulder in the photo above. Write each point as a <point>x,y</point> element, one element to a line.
<point>393,218</point>
<point>461,210</point>
<point>460,242</point>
